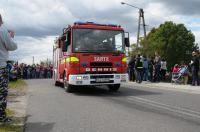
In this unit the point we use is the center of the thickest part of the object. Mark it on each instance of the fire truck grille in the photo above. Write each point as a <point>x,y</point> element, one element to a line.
<point>93,82</point>
<point>101,76</point>
<point>101,64</point>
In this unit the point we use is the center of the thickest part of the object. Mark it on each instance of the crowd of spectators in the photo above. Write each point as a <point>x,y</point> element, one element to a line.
<point>34,71</point>
<point>154,69</point>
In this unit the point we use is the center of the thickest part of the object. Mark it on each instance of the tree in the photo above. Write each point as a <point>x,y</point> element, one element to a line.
<point>134,50</point>
<point>46,62</point>
<point>172,42</point>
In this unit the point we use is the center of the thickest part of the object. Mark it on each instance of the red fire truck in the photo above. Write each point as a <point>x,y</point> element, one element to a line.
<point>90,54</point>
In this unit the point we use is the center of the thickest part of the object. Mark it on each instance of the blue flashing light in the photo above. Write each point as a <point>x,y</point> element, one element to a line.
<point>113,25</point>
<point>88,23</point>
<point>79,23</point>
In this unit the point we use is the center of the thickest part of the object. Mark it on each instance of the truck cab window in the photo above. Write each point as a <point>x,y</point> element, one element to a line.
<point>66,46</point>
<point>96,40</point>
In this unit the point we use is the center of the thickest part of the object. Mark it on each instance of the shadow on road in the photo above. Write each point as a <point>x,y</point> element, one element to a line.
<point>103,91</point>
<point>39,127</point>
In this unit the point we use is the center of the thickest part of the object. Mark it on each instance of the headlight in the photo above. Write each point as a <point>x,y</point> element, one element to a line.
<point>124,59</point>
<point>79,78</point>
<point>71,59</point>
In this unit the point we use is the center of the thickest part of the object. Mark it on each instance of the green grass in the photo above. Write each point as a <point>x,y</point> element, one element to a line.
<point>10,112</point>
<point>15,126</point>
<point>16,84</point>
<point>11,127</point>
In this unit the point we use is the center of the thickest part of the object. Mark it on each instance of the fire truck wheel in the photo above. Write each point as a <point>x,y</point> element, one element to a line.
<point>114,87</point>
<point>68,88</point>
<point>57,83</point>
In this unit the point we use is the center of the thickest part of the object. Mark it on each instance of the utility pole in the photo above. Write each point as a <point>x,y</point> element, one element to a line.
<point>33,60</point>
<point>140,19</point>
<point>141,16</point>
<point>47,61</point>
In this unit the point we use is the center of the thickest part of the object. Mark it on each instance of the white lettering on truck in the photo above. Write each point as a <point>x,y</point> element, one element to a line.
<point>101,59</point>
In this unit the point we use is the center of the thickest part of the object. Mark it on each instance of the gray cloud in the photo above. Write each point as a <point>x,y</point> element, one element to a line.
<point>40,19</point>
<point>183,7</point>
<point>35,20</point>
<point>39,33</point>
<point>40,48</point>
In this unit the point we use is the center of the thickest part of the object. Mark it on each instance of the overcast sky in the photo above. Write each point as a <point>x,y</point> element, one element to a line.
<point>38,22</point>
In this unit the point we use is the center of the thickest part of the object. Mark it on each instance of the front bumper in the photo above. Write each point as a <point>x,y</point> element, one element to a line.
<point>97,79</point>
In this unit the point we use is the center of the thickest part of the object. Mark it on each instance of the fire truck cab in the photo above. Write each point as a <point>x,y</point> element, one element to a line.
<point>90,54</point>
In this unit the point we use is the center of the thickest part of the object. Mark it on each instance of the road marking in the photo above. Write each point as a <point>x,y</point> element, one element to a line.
<point>183,90</point>
<point>176,109</point>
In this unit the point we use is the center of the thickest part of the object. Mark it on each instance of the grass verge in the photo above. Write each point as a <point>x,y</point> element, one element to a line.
<point>17,124</point>
<point>16,84</point>
<point>11,128</point>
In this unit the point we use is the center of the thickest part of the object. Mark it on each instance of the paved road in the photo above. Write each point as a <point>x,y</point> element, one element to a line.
<point>133,109</point>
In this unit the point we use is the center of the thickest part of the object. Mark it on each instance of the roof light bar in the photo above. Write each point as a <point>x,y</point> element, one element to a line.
<point>92,23</point>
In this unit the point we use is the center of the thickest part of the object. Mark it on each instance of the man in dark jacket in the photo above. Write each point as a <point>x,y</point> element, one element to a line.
<point>139,69</point>
<point>131,67</point>
<point>195,68</point>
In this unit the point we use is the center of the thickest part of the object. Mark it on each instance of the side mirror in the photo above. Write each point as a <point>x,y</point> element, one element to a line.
<point>126,40</point>
<point>65,45</point>
<point>63,38</point>
<point>66,41</point>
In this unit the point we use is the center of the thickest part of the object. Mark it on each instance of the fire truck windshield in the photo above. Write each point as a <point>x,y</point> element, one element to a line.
<point>98,41</point>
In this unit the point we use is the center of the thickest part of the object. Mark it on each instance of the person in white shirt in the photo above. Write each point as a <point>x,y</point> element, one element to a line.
<point>6,44</point>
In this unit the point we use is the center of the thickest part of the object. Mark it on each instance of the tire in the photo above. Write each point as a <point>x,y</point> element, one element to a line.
<point>68,88</point>
<point>57,83</point>
<point>114,87</point>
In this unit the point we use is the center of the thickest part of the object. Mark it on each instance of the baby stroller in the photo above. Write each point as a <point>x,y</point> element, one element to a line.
<point>177,77</point>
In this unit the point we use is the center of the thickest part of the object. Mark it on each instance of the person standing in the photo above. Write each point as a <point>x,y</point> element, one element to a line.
<point>6,44</point>
<point>163,69</point>
<point>145,68</point>
<point>184,66</point>
<point>28,72</point>
<point>157,68</point>
<point>195,68</point>
<point>33,71</point>
<point>48,72</point>
<point>151,69</point>
<point>139,69</point>
<point>131,66</point>
<point>37,71</point>
<point>25,69</point>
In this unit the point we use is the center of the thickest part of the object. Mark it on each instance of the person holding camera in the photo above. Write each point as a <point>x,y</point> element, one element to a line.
<point>6,44</point>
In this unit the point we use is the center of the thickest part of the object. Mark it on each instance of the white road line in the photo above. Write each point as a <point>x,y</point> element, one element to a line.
<point>166,107</point>
<point>183,90</point>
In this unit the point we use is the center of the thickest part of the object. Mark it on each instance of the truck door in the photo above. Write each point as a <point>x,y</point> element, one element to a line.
<point>65,40</point>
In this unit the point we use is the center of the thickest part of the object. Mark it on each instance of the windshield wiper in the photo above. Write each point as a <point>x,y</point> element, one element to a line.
<point>87,51</point>
<point>100,52</point>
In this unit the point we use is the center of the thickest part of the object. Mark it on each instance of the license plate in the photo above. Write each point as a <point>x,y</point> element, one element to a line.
<point>102,80</point>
